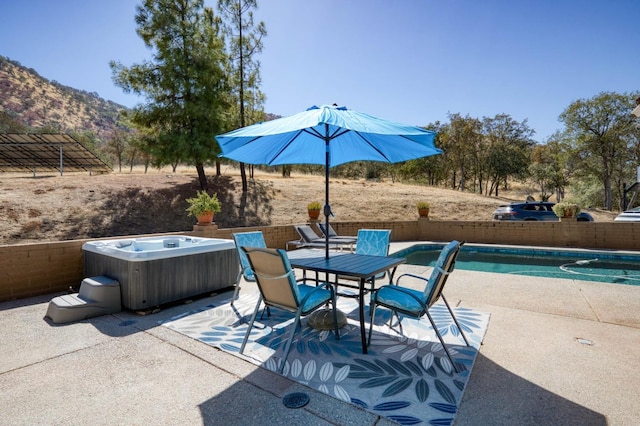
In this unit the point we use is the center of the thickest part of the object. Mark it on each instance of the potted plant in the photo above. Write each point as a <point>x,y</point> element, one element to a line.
<point>313,209</point>
<point>203,206</point>
<point>423,208</point>
<point>566,209</point>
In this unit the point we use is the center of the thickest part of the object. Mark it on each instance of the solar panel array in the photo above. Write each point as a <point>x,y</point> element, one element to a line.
<point>33,152</point>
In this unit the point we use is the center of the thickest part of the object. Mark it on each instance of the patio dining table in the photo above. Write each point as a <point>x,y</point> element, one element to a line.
<point>359,266</point>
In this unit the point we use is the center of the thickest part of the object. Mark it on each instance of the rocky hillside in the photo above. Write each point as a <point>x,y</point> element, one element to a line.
<point>36,102</point>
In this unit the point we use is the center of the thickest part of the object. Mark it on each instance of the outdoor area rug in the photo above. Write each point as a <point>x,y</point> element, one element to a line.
<point>407,378</point>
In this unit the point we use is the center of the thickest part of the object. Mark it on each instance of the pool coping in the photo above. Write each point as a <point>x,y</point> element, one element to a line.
<point>495,248</point>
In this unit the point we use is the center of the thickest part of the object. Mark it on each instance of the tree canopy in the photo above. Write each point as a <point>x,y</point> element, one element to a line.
<point>185,84</point>
<point>603,138</point>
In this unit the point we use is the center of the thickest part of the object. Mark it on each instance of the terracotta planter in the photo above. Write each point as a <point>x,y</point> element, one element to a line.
<point>568,219</point>
<point>423,212</point>
<point>205,218</point>
<point>314,214</point>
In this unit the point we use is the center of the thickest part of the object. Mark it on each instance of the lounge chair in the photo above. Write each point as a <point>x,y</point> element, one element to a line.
<point>279,289</point>
<point>308,238</point>
<point>415,303</point>
<point>333,234</point>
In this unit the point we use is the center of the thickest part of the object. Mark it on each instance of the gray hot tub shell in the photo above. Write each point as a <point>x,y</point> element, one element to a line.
<point>165,269</point>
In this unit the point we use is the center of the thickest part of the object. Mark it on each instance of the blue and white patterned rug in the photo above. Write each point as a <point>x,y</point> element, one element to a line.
<point>408,378</point>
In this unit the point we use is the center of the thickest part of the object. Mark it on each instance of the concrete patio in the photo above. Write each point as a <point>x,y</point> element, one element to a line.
<point>556,352</point>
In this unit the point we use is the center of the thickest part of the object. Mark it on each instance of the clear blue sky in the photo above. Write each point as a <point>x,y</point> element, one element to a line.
<point>412,61</point>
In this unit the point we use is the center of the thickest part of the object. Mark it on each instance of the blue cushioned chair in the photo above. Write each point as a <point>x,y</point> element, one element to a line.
<point>279,289</point>
<point>246,239</point>
<point>415,303</point>
<point>374,242</point>
<point>371,242</point>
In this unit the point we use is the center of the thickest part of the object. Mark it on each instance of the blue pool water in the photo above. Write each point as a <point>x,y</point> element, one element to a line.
<point>577,265</point>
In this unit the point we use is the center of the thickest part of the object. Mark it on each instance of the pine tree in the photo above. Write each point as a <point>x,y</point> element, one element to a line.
<point>185,84</point>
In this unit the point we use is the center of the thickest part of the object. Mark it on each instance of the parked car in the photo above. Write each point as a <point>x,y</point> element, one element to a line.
<point>632,215</point>
<point>533,210</point>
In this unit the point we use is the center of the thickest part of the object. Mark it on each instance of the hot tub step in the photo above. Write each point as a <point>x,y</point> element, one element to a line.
<point>98,296</point>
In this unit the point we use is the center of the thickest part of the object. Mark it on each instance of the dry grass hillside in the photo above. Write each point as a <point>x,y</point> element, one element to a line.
<point>54,208</point>
<point>38,102</point>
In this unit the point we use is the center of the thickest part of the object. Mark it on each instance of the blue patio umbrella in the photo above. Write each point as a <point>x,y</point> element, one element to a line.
<point>329,136</point>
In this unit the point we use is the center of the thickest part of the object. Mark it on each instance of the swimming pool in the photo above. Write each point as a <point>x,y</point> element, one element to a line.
<point>586,265</point>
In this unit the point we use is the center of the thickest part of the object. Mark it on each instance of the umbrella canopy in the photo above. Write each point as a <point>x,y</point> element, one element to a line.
<point>329,136</point>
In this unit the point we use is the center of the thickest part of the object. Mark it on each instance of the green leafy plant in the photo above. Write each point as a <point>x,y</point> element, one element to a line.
<point>423,205</point>
<point>314,206</point>
<point>203,203</point>
<point>566,209</point>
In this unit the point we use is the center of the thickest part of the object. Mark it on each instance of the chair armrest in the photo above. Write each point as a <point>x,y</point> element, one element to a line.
<point>412,276</point>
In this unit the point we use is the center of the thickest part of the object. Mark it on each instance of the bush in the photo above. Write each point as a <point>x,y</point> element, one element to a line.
<point>566,209</point>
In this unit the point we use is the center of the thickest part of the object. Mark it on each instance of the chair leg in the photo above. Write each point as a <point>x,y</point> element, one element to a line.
<point>373,317</point>
<point>253,318</point>
<point>235,291</point>
<point>268,310</point>
<point>435,328</point>
<point>397,315</point>
<point>399,321</point>
<point>455,319</point>
<point>289,342</point>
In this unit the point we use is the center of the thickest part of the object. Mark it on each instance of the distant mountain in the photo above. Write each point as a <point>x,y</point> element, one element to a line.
<point>29,101</point>
<point>33,101</point>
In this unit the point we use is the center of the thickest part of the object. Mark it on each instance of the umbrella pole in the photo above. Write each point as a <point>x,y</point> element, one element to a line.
<point>327,208</point>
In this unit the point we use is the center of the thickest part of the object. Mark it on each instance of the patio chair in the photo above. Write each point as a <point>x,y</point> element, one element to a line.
<point>333,234</point>
<point>415,303</point>
<point>246,239</point>
<point>279,289</point>
<point>371,242</point>
<point>307,235</point>
<point>308,238</point>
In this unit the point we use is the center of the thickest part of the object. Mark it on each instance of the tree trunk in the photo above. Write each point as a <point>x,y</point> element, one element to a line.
<point>608,194</point>
<point>218,172</point>
<point>243,206</point>
<point>243,174</point>
<point>462,183</point>
<point>202,178</point>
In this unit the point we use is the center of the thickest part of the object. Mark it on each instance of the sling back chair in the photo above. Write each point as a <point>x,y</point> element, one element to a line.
<point>415,303</point>
<point>279,289</point>
<point>246,239</point>
<point>371,242</point>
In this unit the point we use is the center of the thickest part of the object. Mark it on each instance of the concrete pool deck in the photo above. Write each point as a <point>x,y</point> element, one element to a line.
<point>556,352</point>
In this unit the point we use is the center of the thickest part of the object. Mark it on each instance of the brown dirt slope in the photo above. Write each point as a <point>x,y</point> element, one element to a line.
<point>73,206</point>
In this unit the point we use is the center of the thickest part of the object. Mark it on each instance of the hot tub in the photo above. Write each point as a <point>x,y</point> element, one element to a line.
<point>156,270</point>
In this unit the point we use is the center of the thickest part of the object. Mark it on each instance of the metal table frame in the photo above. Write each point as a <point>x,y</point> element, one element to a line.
<point>354,265</point>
